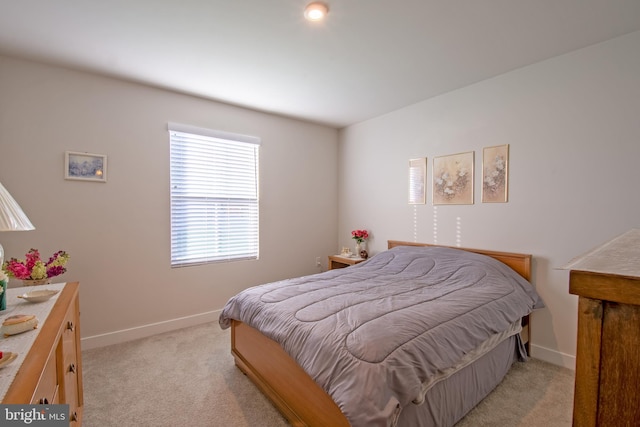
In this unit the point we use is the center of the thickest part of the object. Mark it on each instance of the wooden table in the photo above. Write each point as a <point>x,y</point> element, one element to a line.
<point>339,261</point>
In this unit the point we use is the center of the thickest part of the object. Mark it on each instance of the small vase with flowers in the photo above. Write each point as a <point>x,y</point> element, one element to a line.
<point>33,271</point>
<point>360,236</point>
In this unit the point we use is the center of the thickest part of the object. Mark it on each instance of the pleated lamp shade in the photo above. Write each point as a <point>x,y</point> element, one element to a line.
<point>12,218</point>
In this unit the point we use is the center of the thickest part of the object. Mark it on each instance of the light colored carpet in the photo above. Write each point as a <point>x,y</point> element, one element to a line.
<point>187,378</point>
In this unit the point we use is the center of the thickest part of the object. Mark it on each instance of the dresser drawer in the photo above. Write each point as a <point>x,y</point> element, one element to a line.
<point>70,334</point>
<point>47,390</point>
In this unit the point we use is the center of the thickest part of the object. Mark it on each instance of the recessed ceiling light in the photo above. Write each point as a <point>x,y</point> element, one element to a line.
<point>316,11</point>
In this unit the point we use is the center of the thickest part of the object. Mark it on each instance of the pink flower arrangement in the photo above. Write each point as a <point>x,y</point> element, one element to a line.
<point>359,235</point>
<point>33,268</point>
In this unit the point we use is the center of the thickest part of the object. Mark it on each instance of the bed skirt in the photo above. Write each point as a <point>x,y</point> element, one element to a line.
<point>448,401</point>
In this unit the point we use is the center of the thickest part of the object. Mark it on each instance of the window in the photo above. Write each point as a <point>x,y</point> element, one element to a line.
<point>214,196</point>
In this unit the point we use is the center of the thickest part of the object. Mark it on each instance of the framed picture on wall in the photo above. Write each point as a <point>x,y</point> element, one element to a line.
<point>495,174</point>
<point>85,166</point>
<point>453,179</point>
<point>418,181</point>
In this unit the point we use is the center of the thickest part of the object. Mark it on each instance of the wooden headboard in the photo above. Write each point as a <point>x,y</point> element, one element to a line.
<point>520,263</point>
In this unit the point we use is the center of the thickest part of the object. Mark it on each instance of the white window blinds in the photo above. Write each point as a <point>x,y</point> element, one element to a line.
<point>214,196</point>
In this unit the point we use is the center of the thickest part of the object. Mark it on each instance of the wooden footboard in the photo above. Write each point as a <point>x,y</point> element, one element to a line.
<point>300,399</point>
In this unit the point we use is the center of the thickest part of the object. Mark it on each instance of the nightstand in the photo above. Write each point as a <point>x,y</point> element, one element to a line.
<point>339,261</point>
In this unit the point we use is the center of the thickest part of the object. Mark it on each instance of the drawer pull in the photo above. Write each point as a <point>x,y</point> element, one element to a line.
<point>44,401</point>
<point>72,368</point>
<point>70,326</point>
<point>74,416</point>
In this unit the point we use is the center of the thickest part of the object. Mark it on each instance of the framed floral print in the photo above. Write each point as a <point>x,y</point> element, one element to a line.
<point>495,174</point>
<point>453,179</point>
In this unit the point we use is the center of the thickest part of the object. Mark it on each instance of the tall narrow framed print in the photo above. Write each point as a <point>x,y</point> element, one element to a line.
<point>453,179</point>
<point>417,181</point>
<point>495,174</point>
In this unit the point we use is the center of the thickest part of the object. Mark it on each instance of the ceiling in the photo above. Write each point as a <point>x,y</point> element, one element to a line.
<point>369,57</point>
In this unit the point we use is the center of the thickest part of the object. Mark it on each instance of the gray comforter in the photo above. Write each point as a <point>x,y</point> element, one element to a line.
<point>374,334</point>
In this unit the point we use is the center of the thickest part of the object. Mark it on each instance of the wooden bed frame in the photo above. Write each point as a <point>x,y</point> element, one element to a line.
<point>298,397</point>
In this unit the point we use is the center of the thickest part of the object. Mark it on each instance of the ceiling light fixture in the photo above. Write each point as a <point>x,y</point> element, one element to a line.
<point>316,11</point>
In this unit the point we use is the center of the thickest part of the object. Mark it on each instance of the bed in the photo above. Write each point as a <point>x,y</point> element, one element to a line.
<point>416,335</point>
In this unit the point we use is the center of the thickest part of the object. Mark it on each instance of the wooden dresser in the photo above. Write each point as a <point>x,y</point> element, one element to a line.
<point>607,387</point>
<point>51,372</point>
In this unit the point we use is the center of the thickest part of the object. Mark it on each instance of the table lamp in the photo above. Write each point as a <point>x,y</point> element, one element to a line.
<point>11,217</point>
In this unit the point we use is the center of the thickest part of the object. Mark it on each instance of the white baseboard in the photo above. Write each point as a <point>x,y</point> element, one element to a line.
<point>124,335</point>
<point>553,356</point>
<point>116,337</point>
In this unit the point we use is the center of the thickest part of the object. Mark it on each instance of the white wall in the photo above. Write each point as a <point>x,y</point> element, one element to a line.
<point>118,233</point>
<point>573,127</point>
<point>571,123</point>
